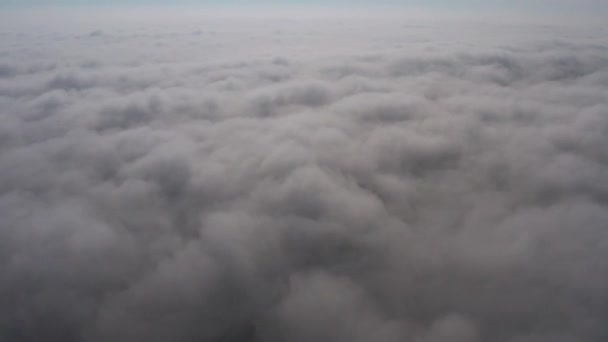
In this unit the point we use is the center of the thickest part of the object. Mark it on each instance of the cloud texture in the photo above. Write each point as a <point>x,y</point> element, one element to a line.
<point>303,180</point>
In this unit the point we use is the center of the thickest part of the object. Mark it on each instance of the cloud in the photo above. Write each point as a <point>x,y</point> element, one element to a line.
<point>349,182</point>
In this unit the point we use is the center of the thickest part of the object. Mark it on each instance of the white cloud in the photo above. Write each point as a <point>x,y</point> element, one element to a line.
<point>351,179</point>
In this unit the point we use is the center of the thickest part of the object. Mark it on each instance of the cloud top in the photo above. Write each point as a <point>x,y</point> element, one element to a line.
<point>303,180</point>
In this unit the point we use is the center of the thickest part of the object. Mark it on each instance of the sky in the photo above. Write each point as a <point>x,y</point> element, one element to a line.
<point>338,174</point>
<point>588,6</point>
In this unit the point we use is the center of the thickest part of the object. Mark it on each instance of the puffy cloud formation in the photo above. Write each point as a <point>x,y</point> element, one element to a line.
<point>303,180</point>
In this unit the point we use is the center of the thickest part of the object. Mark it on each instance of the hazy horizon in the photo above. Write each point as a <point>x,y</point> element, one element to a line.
<point>538,6</point>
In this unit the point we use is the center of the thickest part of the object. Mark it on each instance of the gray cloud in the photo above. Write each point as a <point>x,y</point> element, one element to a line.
<point>353,182</point>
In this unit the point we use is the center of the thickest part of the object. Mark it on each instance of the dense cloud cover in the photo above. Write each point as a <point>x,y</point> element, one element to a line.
<point>303,180</point>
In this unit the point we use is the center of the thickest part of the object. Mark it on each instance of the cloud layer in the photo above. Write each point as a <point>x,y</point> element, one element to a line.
<point>303,180</point>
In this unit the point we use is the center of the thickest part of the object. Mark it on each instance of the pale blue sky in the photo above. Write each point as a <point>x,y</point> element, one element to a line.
<point>525,5</point>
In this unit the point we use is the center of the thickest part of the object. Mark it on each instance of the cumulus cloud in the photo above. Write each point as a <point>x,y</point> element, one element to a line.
<point>352,181</point>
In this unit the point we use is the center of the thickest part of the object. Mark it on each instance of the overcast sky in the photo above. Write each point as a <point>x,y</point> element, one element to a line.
<point>542,5</point>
